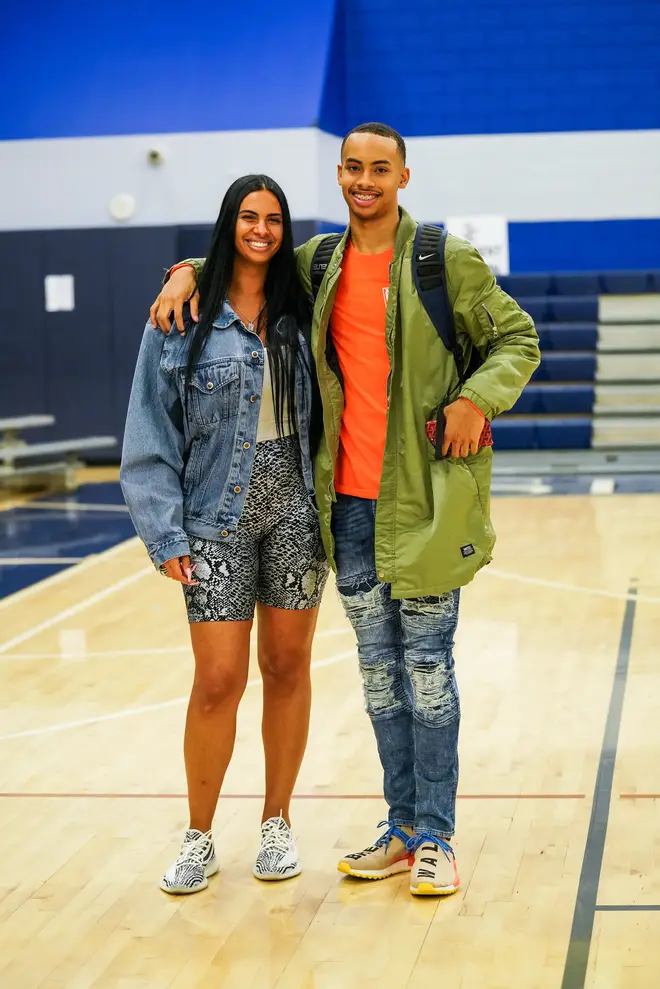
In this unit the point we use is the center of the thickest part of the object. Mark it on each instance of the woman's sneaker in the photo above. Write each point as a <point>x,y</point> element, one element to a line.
<point>434,872</point>
<point>278,855</point>
<point>196,862</point>
<point>388,856</point>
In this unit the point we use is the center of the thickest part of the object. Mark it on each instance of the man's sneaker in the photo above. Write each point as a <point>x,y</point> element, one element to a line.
<point>434,872</point>
<point>278,855</point>
<point>196,862</point>
<point>388,856</point>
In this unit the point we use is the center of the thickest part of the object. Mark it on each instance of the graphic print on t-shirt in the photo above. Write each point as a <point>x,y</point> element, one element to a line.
<point>357,326</point>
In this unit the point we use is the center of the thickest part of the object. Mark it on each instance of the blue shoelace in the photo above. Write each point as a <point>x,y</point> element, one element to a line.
<point>412,844</point>
<point>393,831</point>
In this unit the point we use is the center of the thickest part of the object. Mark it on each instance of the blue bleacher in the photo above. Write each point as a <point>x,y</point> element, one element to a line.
<point>568,336</point>
<point>564,399</point>
<point>580,283</point>
<point>555,410</point>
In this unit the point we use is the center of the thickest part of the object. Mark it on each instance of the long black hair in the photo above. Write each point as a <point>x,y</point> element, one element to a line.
<point>287,307</point>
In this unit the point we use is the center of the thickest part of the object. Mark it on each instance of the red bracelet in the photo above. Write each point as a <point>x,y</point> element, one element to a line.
<point>182,264</point>
<point>475,407</point>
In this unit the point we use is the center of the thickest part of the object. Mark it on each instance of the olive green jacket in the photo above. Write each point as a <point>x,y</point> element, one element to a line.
<point>433,528</point>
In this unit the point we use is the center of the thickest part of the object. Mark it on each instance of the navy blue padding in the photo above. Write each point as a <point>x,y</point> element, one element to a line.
<point>654,281</point>
<point>628,282</point>
<point>542,434</point>
<point>146,252</point>
<point>566,367</point>
<point>578,283</point>
<point>567,336</point>
<point>526,285</point>
<point>22,355</point>
<point>561,309</point>
<point>561,399</point>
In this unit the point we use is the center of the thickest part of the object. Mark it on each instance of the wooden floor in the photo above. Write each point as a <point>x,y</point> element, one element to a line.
<point>95,668</point>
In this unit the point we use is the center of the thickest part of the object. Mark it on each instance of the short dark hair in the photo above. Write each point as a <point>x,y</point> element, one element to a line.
<point>382,130</point>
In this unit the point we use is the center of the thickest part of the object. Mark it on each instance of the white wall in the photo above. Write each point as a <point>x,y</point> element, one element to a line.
<point>580,176</point>
<point>68,183</point>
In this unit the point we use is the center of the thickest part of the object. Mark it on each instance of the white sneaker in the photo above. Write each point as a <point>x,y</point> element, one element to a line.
<point>278,855</point>
<point>196,862</point>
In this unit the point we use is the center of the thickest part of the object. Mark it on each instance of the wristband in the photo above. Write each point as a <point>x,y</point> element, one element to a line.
<point>182,264</point>
<point>475,407</point>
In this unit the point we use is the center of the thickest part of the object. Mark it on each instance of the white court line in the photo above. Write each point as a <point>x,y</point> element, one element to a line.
<point>33,561</point>
<point>163,650</point>
<point>49,582</point>
<point>75,609</point>
<point>573,588</point>
<point>129,712</point>
<point>73,506</point>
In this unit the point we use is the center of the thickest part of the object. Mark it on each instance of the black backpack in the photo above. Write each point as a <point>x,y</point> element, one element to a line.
<point>430,279</point>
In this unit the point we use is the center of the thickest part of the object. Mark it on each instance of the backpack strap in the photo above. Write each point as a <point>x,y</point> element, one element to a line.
<point>321,260</point>
<point>430,278</point>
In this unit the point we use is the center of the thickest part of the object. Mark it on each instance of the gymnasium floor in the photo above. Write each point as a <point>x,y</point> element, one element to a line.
<point>559,804</point>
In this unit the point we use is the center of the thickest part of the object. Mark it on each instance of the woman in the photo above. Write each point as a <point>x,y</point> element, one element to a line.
<point>217,474</point>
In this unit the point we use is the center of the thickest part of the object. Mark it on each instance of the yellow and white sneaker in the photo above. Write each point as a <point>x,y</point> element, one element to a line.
<point>434,872</point>
<point>388,856</point>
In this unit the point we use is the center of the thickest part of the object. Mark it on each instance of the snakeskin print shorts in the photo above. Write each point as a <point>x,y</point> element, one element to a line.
<point>276,557</point>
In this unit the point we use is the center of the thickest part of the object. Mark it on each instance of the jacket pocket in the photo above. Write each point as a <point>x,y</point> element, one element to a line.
<point>214,393</point>
<point>459,538</point>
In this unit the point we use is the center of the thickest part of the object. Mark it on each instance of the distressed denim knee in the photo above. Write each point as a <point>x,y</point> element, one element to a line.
<point>373,615</point>
<point>429,625</point>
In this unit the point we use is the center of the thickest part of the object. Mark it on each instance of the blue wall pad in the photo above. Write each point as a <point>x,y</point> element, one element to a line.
<point>585,245</point>
<point>127,67</point>
<point>541,434</point>
<point>489,68</point>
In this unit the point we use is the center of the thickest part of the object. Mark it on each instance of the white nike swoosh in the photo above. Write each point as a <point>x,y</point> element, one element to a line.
<point>424,257</point>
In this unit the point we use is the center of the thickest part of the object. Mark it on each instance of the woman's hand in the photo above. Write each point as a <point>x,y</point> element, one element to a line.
<point>181,288</point>
<point>179,569</point>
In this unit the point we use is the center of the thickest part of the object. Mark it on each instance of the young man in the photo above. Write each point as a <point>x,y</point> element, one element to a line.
<point>402,529</point>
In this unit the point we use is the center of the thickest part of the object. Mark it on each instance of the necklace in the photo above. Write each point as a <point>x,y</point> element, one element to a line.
<point>249,323</point>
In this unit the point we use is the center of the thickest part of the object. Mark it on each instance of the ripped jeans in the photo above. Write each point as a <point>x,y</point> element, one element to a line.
<point>407,666</point>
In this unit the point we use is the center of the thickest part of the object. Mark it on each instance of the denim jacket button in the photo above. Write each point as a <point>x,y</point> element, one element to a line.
<point>238,489</point>
<point>255,354</point>
<point>246,446</point>
<point>224,533</point>
<point>253,398</point>
<point>209,385</point>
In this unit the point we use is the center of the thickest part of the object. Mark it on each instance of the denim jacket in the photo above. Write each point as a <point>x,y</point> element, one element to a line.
<point>186,465</point>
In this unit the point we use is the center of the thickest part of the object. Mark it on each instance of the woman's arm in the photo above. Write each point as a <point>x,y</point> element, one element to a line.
<point>152,456</point>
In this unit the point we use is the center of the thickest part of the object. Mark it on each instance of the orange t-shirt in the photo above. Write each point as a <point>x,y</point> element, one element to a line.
<point>357,326</point>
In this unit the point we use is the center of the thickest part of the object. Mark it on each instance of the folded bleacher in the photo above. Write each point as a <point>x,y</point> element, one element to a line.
<point>598,384</point>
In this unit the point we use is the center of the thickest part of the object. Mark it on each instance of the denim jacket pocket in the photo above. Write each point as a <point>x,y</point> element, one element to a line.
<point>215,393</point>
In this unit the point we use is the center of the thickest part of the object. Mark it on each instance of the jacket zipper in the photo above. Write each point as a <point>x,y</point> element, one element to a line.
<point>490,319</point>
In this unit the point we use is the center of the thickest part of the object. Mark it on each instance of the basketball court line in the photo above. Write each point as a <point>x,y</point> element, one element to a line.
<point>295,796</point>
<point>163,650</point>
<point>129,712</point>
<point>577,956</point>
<point>48,582</point>
<point>74,609</point>
<point>630,908</point>
<point>73,506</point>
<point>573,588</point>
<point>34,561</point>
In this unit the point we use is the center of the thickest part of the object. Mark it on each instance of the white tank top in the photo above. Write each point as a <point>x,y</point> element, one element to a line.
<point>267,429</point>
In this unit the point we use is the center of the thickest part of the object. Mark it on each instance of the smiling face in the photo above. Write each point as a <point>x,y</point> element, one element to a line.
<point>259,229</point>
<point>370,175</point>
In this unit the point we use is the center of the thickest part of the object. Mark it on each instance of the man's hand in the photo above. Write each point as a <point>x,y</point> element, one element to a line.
<point>463,427</point>
<point>181,288</point>
<point>179,568</point>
